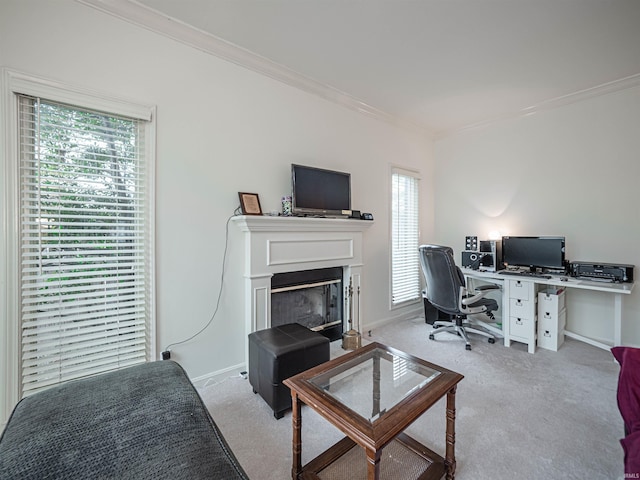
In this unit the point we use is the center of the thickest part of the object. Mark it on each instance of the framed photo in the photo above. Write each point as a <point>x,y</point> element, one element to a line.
<point>250,203</point>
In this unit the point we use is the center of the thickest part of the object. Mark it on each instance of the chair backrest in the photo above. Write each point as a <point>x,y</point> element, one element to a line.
<point>443,278</point>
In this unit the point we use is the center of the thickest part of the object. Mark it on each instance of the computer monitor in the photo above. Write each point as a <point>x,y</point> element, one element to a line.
<point>534,252</point>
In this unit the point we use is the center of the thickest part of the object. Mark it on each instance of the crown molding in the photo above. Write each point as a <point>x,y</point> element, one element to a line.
<point>603,89</point>
<point>133,12</point>
<point>150,19</point>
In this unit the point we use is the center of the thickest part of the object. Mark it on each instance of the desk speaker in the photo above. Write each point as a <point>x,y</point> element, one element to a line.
<point>471,243</point>
<point>472,259</point>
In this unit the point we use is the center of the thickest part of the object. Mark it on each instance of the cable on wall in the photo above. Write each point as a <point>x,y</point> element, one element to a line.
<point>166,353</point>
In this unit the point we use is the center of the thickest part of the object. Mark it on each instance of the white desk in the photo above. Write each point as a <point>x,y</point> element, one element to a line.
<point>506,281</point>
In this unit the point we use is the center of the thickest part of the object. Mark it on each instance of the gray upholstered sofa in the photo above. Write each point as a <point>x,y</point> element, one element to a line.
<point>142,422</point>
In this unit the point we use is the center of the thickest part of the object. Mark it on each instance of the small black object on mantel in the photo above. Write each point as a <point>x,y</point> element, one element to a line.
<point>366,216</point>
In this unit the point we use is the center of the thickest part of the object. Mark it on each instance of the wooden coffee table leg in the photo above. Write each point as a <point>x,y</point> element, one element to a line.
<point>450,456</point>
<point>373,464</point>
<point>296,416</point>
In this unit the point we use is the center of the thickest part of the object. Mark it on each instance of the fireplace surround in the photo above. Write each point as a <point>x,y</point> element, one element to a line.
<point>276,244</point>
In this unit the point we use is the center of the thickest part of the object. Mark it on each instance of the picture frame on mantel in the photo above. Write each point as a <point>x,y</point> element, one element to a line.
<point>250,203</point>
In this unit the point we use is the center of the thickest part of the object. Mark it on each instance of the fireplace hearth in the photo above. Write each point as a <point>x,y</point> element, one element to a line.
<point>312,298</point>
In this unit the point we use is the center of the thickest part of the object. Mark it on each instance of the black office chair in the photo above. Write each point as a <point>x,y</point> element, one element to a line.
<point>446,290</point>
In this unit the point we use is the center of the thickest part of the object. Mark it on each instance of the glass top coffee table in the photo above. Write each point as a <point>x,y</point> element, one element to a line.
<point>373,394</point>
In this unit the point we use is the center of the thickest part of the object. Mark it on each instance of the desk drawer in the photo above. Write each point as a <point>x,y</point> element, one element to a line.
<point>520,289</point>
<point>549,342</point>
<point>525,328</point>
<point>551,332</point>
<point>553,325</point>
<point>553,316</point>
<point>551,302</point>
<point>522,308</point>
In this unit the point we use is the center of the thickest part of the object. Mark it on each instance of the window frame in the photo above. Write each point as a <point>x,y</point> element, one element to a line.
<point>394,169</point>
<point>13,83</point>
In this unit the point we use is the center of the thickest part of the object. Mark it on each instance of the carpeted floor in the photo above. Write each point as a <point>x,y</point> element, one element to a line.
<point>550,415</point>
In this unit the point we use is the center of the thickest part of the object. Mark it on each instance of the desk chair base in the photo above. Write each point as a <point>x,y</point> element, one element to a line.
<point>461,328</point>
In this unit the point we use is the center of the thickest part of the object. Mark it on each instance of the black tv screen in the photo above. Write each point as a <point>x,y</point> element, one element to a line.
<point>317,191</point>
<point>534,252</point>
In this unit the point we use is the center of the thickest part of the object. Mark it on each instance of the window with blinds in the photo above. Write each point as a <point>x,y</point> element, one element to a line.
<point>405,263</point>
<point>85,286</point>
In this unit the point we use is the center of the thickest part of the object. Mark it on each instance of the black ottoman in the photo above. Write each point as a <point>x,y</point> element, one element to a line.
<point>278,353</point>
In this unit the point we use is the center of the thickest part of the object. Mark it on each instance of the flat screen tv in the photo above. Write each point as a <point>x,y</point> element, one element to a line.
<point>534,252</point>
<point>316,191</point>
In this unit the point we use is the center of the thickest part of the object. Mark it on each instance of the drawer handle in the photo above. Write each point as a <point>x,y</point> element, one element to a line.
<point>519,303</point>
<point>518,321</point>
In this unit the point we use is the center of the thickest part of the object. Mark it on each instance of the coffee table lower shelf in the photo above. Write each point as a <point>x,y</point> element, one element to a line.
<point>402,459</point>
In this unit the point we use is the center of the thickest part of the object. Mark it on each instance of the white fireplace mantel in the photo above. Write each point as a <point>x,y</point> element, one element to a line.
<point>288,244</point>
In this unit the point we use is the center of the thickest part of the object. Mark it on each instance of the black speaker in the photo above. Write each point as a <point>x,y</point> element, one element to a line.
<point>471,243</point>
<point>472,259</point>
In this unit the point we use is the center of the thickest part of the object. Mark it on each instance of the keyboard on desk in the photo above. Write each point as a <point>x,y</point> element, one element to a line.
<point>524,274</point>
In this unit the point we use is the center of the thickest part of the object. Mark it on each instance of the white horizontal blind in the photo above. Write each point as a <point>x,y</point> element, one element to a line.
<point>405,263</point>
<point>84,276</point>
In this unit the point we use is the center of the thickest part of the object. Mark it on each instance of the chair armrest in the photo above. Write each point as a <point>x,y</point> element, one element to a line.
<point>487,287</point>
<point>478,293</point>
<point>469,300</point>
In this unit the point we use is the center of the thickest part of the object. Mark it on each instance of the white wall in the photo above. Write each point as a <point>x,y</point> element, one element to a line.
<point>220,129</point>
<point>569,171</point>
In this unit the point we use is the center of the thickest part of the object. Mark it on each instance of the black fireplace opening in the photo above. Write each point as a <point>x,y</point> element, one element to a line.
<point>313,298</point>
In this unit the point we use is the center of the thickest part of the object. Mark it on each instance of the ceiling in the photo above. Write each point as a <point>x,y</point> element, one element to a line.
<point>439,64</point>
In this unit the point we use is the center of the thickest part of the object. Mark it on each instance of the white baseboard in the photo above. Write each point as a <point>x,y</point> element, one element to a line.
<point>218,376</point>
<point>406,315</point>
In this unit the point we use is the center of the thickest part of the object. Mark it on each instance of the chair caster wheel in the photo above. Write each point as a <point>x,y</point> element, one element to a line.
<point>468,347</point>
<point>492,340</point>
<point>431,337</point>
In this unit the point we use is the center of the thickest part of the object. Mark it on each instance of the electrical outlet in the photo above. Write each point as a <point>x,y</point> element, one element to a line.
<point>166,355</point>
